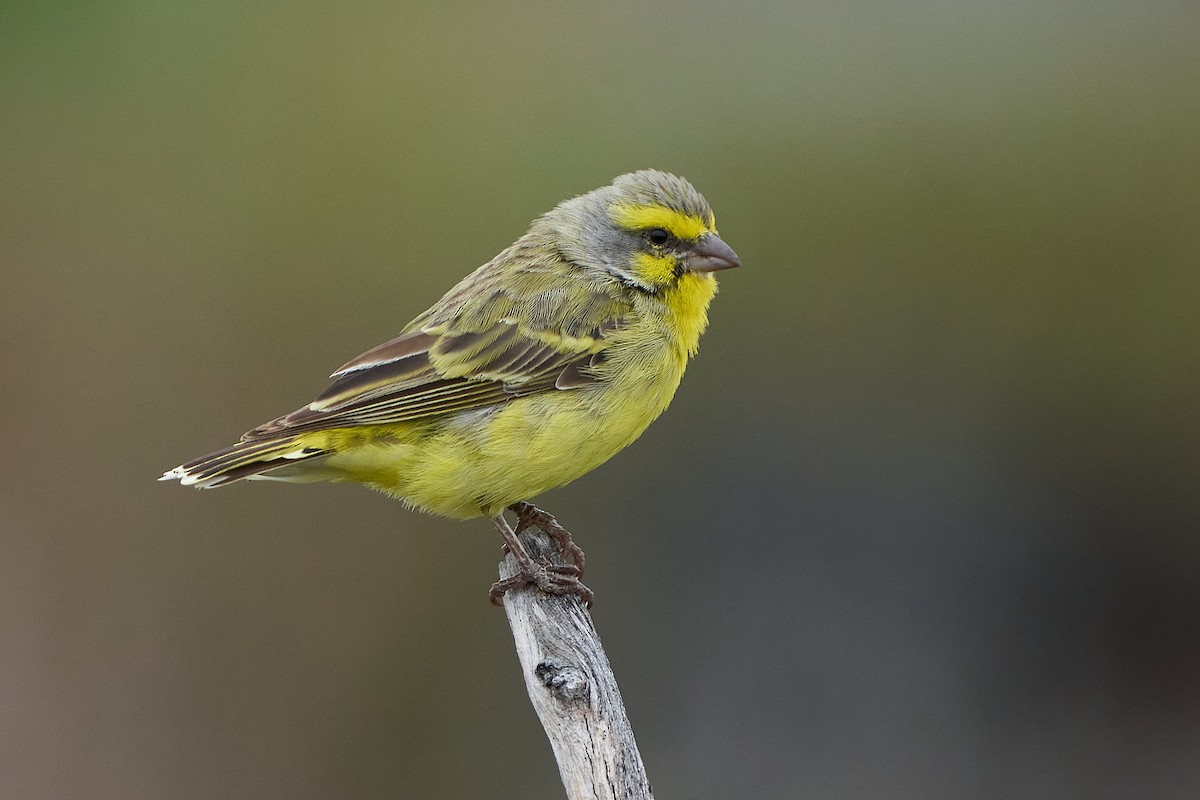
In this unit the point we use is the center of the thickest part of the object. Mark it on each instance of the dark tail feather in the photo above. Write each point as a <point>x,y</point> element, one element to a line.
<point>242,460</point>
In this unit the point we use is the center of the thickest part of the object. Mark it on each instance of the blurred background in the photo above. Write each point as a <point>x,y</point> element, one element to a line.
<point>922,523</point>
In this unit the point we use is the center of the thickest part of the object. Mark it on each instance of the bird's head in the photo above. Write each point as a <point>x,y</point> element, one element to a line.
<point>647,229</point>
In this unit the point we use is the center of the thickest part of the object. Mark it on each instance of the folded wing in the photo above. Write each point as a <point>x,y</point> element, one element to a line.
<point>427,372</point>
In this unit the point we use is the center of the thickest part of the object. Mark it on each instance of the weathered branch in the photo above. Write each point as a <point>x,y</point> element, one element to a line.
<point>572,687</point>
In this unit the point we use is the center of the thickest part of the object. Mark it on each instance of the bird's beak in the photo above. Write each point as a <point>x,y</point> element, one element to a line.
<point>711,254</point>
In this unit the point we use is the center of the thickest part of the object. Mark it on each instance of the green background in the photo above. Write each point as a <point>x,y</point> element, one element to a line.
<point>922,522</point>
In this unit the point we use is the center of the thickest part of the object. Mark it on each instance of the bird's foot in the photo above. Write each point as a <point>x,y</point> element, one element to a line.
<point>560,579</point>
<point>530,515</point>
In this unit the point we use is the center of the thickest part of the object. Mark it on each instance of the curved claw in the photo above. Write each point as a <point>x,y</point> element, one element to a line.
<point>551,579</point>
<point>530,515</point>
<point>559,579</point>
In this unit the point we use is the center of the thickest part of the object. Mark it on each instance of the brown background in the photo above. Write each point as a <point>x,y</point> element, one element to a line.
<point>922,523</point>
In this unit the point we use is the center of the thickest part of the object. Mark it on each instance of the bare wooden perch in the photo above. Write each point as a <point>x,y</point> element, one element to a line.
<point>572,687</point>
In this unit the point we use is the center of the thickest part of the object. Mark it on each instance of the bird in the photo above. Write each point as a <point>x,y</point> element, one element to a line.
<point>533,370</point>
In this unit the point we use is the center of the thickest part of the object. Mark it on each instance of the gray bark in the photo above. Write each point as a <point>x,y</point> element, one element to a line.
<point>572,688</point>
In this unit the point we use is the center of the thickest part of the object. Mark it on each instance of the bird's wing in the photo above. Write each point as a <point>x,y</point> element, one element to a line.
<point>461,358</point>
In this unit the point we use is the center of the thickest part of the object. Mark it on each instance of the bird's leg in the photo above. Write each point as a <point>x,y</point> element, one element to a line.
<point>550,578</point>
<point>529,514</point>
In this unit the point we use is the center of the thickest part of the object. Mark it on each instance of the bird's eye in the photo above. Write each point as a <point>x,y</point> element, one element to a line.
<point>658,237</point>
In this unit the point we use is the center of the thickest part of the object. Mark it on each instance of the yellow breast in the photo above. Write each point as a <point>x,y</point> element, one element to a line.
<point>479,462</point>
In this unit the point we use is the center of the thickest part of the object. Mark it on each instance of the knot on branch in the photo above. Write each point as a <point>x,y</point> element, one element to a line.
<point>566,681</point>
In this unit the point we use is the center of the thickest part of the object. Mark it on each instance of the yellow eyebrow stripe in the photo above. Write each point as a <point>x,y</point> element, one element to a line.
<point>678,224</point>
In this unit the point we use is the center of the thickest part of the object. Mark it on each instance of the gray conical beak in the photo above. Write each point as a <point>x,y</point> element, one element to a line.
<point>712,254</point>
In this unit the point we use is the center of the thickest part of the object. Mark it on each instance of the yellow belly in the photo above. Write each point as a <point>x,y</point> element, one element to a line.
<point>480,461</point>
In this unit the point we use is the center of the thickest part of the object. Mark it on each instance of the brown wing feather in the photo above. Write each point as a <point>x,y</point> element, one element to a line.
<point>467,351</point>
<point>406,344</point>
<point>377,391</point>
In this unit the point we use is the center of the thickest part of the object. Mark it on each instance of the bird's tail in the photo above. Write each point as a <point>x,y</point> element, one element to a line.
<point>281,459</point>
